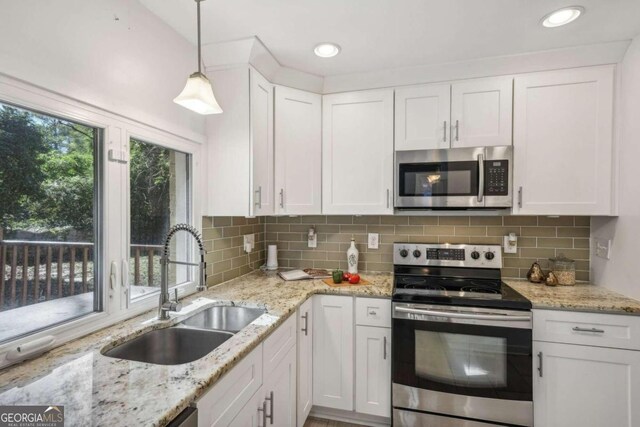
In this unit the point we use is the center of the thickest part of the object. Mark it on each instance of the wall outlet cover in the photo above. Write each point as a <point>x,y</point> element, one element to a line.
<point>602,248</point>
<point>509,245</point>
<point>373,241</point>
<point>249,242</point>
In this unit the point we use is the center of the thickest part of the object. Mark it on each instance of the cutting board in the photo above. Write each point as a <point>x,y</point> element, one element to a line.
<point>345,283</point>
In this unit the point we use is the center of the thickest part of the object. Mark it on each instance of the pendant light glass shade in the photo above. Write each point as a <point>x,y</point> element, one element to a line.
<point>198,96</point>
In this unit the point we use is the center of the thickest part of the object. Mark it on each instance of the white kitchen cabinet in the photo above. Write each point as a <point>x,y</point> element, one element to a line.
<point>240,145</point>
<point>305,360</point>
<point>251,415</point>
<point>333,374</point>
<point>422,117</point>
<point>279,391</point>
<point>563,142</point>
<point>584,386</point>
<point>373,370</point>
<point>357,153</point>
<point>481,112</point>
<point>298,152</point>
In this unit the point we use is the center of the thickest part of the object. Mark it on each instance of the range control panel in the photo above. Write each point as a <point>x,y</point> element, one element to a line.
<point>447,255</point>
<point>496,177</point>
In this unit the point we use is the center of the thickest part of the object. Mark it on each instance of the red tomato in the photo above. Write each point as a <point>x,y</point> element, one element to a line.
<point>346,276</point>
<point>354,279</point>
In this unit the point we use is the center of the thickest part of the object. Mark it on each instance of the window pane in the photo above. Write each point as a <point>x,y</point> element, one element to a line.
<point>159,192</point>
<point>48,237</point>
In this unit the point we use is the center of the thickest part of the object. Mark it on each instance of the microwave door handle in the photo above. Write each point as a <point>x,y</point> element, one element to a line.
<point>454,315</point>
<point>480,177</point>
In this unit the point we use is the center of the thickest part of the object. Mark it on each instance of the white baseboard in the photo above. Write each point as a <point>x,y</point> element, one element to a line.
<point>349,417</point>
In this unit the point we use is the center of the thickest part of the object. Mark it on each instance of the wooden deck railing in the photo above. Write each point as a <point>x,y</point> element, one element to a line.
<point>35,271</point>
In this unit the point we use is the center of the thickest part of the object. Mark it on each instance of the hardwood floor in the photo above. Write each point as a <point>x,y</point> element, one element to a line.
<point>320,422</point>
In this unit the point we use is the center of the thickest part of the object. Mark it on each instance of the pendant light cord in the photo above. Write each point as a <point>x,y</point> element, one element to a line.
<point>199,54</point>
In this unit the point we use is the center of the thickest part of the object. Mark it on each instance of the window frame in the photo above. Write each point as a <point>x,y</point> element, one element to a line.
<point>114,200</point>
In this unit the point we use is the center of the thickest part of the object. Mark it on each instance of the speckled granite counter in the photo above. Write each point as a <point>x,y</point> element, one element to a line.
<point>581,297</point>
<point>99,390</point>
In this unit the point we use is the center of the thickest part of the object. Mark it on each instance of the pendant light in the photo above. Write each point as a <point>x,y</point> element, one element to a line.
<point>197,95</point>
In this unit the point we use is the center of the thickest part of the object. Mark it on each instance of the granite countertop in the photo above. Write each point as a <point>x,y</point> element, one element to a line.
<point>99,390</point>
<point>581,297</point>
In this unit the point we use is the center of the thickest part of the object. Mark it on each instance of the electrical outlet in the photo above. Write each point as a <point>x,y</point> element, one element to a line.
<point>373,241</point>
<point>249,242</point>
<point>602,248</point>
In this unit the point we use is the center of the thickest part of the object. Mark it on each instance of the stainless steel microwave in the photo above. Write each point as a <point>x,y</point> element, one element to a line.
<point>454,178</point>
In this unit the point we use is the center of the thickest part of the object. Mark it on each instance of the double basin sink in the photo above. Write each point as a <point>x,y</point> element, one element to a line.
<point>190,340</point>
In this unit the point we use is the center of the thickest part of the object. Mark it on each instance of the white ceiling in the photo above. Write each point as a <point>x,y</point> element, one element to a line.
<point>383,34</point>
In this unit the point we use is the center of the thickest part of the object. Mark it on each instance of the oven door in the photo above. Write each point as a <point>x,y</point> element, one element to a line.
<point>463,361</point>
<point>440,178</point>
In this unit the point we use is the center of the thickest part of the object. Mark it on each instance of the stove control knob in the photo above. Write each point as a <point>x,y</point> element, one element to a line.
<point>475,254</point>
<point>489,255</point>
<point>404,253</point>
<point>417,253</point>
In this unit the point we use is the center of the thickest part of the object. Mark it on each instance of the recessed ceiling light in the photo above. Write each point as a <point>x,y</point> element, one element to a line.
<point>326,50</point>
<point>562,16</point>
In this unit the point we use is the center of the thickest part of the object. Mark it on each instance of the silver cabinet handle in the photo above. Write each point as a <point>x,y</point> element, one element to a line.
<point>454,315</point>
<point>264,413</point>
<point>373,313</point>
<point>594,330</point>
<point>306,320</point>
<point>444,139</point>
<point>384,348</point>
<point>270,416</point>
<point>388,202</point>
<point>282,197</point>
<point>480,177</point>
<point>258,201</point>
<point>457,130</point>
<point>540,364</point>
<point>520,197</point>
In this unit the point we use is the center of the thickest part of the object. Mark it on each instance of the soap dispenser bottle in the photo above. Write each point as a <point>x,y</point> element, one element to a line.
<point>352,258</point>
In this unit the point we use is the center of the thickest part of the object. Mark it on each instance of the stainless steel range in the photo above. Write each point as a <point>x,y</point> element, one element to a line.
<point>462,349</point>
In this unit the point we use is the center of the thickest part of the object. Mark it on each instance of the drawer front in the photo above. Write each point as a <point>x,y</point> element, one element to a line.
<point>278,343</point>
<point>603,330</point>
<point>220,405</point>
<point>373,312</point>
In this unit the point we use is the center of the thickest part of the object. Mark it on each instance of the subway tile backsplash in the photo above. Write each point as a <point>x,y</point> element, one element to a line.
<point>539,238</point>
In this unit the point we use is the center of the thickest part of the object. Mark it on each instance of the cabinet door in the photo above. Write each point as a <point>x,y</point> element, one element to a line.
<point>279,390</point>
<point>422,117</point>
<point>251,415</point>
<point>333,351</point>
<point>373,370</point>
<point>582,386</point>
<point>298,152</point>
<point>563,142</point>
<point>261,96</point>
<point>357,153</point>
<point>305,360</point>
<point>481,112</point>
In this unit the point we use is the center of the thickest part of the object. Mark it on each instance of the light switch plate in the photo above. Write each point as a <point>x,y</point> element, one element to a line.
<point>373,241</point>
<point>602,248</point>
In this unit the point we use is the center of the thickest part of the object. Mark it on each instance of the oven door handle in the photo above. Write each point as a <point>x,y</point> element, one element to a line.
<point>504,317</point>
<point>480,177</point>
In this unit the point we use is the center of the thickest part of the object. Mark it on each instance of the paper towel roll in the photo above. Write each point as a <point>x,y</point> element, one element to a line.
<point>272,257</point>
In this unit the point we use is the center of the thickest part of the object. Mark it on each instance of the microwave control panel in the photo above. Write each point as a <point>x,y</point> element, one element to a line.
<point>496,177</point>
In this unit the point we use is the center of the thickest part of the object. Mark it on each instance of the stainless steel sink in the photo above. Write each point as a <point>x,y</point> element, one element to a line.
<point>224,318</point>
<point>170,346</point>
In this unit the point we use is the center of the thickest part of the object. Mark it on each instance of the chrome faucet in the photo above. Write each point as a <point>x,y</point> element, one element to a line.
<point>166,303</point>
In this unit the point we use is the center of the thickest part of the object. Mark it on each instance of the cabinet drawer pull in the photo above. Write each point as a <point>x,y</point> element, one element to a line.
<point>270,416</point>
<point>282,197</point>
<point>594,330</point>
<point>520,197</point>
<point>540,364</point>
<point>258,201</point>
<point>388,201</point>
<point>373,313</point>
<point>264,413</point>
<point>306,320</point>
<point>457,130</point>
<point>384,348</point>
<point>445,131</point>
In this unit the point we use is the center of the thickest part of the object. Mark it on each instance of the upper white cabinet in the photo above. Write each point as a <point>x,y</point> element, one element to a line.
<point>357,153</point>
<point>333,338</point>
<point>240,145</point>
<point>563,144</point>
<point>422,119</point>
<point>471,113</point>
<point>481,112</point>
<point>298,152</point>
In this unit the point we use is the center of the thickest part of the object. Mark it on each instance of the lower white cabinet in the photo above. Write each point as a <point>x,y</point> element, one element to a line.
<point>333,351</point>
<point>252,414</point>
<point>585,386</point>
<point>305,360</point>
<point>373,370</point>
<point>279,392</point>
